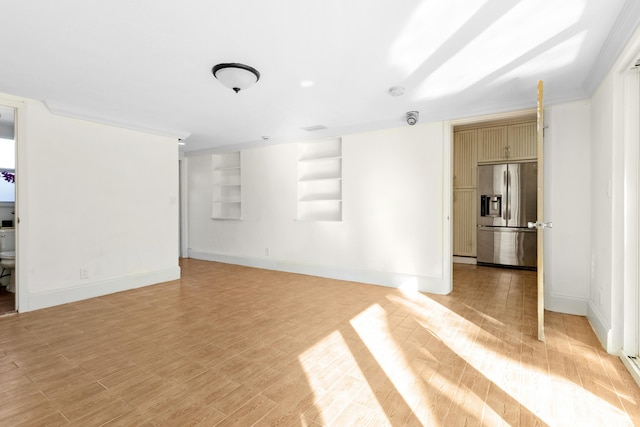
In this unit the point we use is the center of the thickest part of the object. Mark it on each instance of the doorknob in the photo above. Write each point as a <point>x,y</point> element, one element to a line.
<point>540,225</point>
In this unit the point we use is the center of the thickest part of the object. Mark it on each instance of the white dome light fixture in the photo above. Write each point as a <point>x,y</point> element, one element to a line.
<point>236,76</point>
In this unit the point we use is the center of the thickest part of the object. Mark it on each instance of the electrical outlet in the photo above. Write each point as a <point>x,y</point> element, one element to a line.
<point>84,273</point>
<point>266,252</point>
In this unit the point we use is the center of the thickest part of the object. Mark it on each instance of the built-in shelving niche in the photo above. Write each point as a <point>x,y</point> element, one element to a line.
<point>227,186</point>
<point>320,180</point>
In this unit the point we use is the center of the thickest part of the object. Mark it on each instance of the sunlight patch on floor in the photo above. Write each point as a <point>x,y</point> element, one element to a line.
<point>547,394</point>
<point>372,327</point>
<point>333,401</point>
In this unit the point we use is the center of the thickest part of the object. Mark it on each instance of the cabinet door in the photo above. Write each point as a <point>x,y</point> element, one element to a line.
<point>464,222</point>
<point>492,144</point>
<point>465,158</point>
<point>523,141</point>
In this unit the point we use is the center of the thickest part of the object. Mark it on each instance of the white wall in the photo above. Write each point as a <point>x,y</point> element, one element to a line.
<point>567,204</point>
<point>394,204</point>
<point>613,200</point>
<point>395,192</point>
<point>92,197</point>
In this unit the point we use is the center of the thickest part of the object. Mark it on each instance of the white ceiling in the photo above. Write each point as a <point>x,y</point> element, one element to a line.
<point>147,64</point>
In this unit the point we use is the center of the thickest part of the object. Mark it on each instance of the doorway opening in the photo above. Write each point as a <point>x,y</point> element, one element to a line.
<point>496,142</point>
<point>8,149</point>
<point>493,143</point>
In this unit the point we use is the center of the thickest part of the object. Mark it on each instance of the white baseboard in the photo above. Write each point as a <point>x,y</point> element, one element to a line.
<point>601,328</point>
<point>36,301</point>
<point>566,304</point>
<point>465,260</point>
<point>632,366</point>
<point>434,285</point>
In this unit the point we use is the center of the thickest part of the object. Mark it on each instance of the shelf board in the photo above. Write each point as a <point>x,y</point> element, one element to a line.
<point>319,218</point>
<point>321,158</point>
<point>227,168</point>
<point>237,202</point>
<point>320,178</point>
<point>320,199</point>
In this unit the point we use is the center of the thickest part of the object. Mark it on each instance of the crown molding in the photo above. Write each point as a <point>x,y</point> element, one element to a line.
<point>76,113</point>
<point>621,31</point>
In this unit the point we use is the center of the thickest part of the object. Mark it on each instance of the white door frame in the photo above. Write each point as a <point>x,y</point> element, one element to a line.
<point>627,95</point>
<point>631,300</point>
<point>20,209</point>
<point>184,207</point>
<point>448,137</point>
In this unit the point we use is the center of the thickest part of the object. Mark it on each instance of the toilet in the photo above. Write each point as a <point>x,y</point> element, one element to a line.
<point>8,257</point>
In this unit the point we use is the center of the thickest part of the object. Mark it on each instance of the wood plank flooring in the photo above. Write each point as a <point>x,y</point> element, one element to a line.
<point>235,346</point>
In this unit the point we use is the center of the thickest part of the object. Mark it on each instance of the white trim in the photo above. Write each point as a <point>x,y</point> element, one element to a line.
<point>631,366</point>
<point>99,288</point>
<point>631,306</point>
<point>436,285</point>
<point>447,208</point>
<point>491,117</point>
<point>184,207</point>
<point>83,114</point>
<point>621,32</point>
<point>601,328</point>
<point>566,304</point>
<point>465,260</point>
<point>448,127</point>
<point>20,207</point>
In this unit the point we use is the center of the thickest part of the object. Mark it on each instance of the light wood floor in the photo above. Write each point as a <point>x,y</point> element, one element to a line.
<point>230,345</point>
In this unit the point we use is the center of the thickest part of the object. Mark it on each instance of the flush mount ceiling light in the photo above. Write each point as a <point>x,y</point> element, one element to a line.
<point>236,76</point>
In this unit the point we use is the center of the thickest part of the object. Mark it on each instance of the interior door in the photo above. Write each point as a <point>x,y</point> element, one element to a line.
<point>540,224</point>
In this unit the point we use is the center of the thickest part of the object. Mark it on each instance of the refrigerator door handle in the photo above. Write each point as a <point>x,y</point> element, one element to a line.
<point>508,218</point>
<point>506,208</point>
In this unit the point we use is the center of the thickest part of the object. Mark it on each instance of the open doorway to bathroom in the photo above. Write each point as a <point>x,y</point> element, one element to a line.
<point>7,210</point>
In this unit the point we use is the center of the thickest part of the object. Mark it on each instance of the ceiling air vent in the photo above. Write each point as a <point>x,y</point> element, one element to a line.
<point>314,128</point>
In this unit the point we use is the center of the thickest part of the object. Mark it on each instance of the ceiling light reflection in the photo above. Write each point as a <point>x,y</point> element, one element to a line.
<point>432,23</point>
<point>524,27</point>
<point>559,56</point>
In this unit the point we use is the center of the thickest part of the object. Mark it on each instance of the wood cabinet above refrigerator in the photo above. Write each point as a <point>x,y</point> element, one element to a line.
<point>507,143</point>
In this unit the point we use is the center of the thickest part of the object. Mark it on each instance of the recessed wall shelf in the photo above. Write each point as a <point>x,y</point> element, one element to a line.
<point>227,186</point>
<point>320,180</point>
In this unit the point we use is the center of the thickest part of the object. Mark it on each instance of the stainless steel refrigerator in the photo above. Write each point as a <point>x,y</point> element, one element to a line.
<point>508,201</point>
